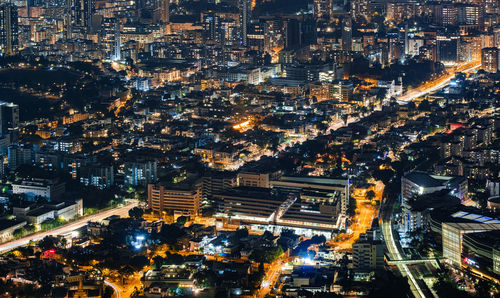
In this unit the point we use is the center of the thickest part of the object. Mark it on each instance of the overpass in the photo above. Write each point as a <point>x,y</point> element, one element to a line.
<point>413,262</point>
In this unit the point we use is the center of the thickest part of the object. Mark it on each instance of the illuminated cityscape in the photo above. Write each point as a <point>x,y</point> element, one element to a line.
<point>249,148</point>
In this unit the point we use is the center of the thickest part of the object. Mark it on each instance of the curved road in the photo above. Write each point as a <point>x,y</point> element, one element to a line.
<point>121,211</point>
<point>115,288</point>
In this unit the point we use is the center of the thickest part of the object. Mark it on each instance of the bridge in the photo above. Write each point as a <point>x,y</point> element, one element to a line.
<point>413,262</point>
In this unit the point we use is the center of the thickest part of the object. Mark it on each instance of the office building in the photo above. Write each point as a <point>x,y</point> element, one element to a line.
<point>179,199</point>
<point>164,7</point>
<point>323,9</point>
<point>345,90</point>
<point>453,233</point>
<point>83,10</point>
<point>347,34</point>
<point>415,213</point>
<point>415,184</point>
<point>117,55</point>
<point>216,182</point>
<point>447,49</point>
<point>37,214</point>
<point>9,120</point>
<point>245,16</point>
<point>489,59</point>
<point>256,179</point>
<point>293,34</point>
<point>339,188</point>
<point>19,155</point>
<point>9,29</point>
<point>7,228</point>
<point>36,187</point>
<point>293,206</point>
<point>252,204</point>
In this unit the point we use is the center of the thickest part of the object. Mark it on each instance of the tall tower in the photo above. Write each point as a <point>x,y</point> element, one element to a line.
<point>89,12</point>
<point>83,10</point>
<point>407,45</point>
<point>489,59</point>
<point>117,55</point>
<point>9,120</point>
<point>68,19</point>
<point>9,41</point>
<point>164,6</point>
<point>244,6</point>
<point>347,34</point>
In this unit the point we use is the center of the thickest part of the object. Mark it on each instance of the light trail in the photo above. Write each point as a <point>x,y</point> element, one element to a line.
<point>394,251</point>
<point>437,84</point>
<point>121,211</point>
<point>115,288</point>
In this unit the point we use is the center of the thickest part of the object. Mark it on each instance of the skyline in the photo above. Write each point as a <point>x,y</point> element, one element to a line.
<point>249,148</point>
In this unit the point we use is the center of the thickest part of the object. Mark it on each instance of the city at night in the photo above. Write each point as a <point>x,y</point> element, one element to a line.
<point>250,148</point>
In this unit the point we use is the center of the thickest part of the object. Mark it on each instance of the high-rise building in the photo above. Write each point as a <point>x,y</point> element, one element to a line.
<point>140,172</point>
<point>245,11</point>
<point>117,47</point>
<point>448,15</point>
<point>407,49</point>
<point>83,11</point>
<point>360,10</point>
<point>9,120</point>
<point>368,254</point>
<point>323,9</point>
<point>447,49</point>
<point>489,59</point>
<point>9,41</point>
<point>164,7</point>
<point>347,34</point>
<point>19,155</point>
<point>293,34</point>
<point>68,20</point>
<point>309,31</point>
<point>98,175</point>
<point>345,90</point>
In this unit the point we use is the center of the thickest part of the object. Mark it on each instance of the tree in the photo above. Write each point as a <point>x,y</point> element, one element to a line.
<point>384,175</point>
<point>182,220</point>
<point>18,233</point>
<point>136,213</point>
<point>381,93</point>
<point>48,242</point>
<point>266,255</point>
<point>321,239</point>
<point>424,105</point>
<point>158,262</point>
<point>138,262</point>
<point>370,195</point>
<point>241,233</point>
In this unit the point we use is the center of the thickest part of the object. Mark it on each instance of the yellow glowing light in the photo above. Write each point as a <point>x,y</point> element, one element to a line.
<point>242,125</point>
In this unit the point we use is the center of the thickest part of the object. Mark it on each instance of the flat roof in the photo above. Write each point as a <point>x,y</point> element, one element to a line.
<point>475,217</point>
<point>314,180</point>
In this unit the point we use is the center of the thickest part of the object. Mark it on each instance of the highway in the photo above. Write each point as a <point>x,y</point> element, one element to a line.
<point>438,83</point>
<point>394,254</point>
<point>121,211</point>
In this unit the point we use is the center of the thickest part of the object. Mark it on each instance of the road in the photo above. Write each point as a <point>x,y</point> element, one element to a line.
<point>272,275</point>
<point>115,289</point>
<point>394,254</point>
<point>438,83</point>
<point>127,289</point>
<point>121,211</point>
